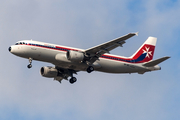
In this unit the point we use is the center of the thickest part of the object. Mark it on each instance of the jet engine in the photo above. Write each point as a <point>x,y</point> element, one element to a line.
<point>49,72</point>
<point>75,56</point>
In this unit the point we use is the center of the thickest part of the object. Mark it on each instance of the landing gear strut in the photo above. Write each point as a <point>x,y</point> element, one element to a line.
<point>30,61</point>
<point>90,69</point>
<point>72,80</point>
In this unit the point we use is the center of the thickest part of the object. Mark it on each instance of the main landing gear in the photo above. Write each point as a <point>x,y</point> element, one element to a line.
<point>30,63</point>
<point>72,80</point>
<point>90,69</point>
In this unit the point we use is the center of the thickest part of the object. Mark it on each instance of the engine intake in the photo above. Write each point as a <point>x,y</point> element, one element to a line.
<point>49,72</point>
<point>75,56</point>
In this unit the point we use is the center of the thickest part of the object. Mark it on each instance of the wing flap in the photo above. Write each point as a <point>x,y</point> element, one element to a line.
<point>59,79</point>
<point>155,62</point>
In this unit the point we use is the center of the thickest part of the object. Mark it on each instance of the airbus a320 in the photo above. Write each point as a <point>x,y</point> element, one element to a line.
<point>68,61</point>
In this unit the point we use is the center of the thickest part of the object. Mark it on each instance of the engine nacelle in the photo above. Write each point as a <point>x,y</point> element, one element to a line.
<point>75,56</point>
<point>49,72</point>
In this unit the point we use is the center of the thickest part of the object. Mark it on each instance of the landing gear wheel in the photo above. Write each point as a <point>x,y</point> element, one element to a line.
<point>29,66</point>
<point>90,69</point>
<point>72,80</point>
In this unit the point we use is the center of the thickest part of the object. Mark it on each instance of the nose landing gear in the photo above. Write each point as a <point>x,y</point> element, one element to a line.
<point>30,63</point>
<point>29,66</point>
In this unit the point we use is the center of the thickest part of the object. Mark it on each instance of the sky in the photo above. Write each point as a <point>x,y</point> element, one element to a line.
<point>25,94</point>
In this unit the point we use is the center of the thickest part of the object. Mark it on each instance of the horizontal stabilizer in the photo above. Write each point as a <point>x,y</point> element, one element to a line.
<point>155,62</point>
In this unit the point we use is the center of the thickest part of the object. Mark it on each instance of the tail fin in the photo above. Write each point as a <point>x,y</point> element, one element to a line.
<point>146,51</point>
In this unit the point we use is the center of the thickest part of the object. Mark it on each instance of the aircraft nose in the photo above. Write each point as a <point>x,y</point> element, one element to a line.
<point>10,49</point>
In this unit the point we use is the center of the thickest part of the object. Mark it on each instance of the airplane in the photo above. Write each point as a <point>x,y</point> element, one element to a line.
<point>68,61</point>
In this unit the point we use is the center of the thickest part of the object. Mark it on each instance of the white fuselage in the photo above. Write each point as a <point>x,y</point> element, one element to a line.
<point>56,55</point>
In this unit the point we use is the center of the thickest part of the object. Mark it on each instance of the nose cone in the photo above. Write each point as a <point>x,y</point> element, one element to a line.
<point>10,49</point>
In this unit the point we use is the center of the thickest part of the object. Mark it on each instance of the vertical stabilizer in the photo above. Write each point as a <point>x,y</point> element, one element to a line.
<point>146,51</point>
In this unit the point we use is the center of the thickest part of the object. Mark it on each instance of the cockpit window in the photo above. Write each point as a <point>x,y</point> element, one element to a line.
<point>20,43</point>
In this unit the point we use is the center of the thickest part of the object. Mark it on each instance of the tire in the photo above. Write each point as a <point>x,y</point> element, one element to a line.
<point>90,69</point>
<point>29,66</point>
<point>72,80</point>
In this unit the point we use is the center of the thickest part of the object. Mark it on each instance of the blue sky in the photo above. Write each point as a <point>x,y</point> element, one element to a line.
<point>24,94</point>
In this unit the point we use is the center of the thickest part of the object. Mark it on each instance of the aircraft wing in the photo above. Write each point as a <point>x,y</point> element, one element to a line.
<point>95,52</point>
